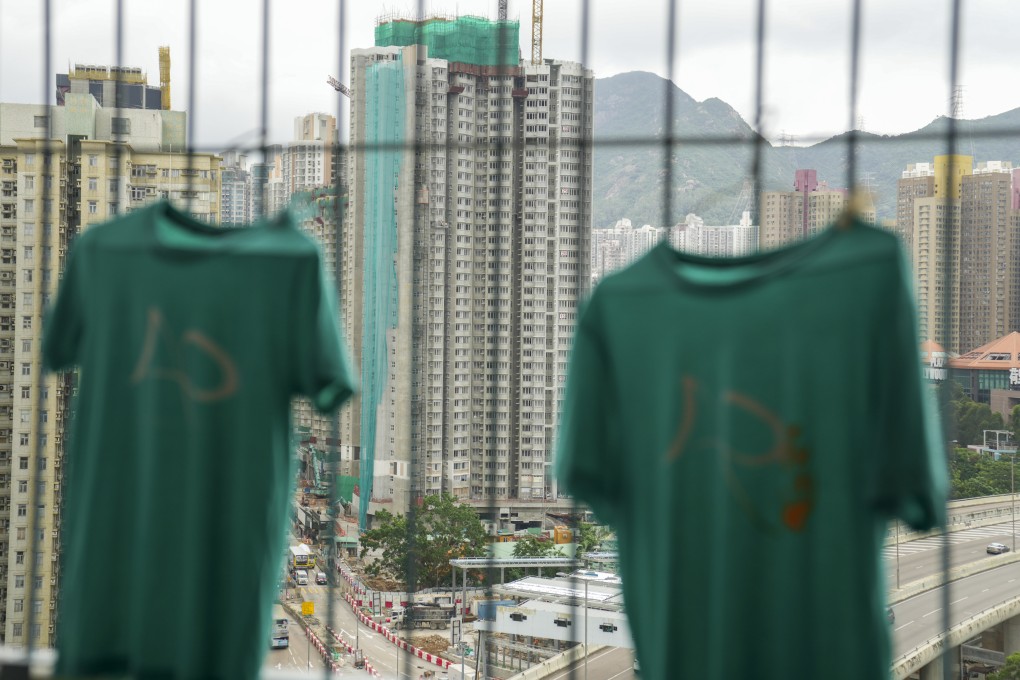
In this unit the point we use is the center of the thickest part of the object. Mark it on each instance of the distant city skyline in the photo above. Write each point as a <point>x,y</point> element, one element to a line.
<point>904,72</point>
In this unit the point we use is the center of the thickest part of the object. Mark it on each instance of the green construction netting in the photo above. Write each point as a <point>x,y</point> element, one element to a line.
<point>471,40</point>
<point>385,87</point>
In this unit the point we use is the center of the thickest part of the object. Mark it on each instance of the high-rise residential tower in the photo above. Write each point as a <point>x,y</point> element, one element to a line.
<point>466,250</point>
<point>42,208</point>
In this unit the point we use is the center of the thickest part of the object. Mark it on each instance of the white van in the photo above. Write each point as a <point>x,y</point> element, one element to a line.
<point>301,577</point>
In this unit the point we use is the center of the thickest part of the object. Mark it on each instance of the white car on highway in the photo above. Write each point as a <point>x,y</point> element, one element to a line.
<point>996,548</point>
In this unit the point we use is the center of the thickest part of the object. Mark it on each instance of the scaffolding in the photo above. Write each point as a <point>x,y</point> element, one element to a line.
<point>469,40</point>
<point>384,86</point>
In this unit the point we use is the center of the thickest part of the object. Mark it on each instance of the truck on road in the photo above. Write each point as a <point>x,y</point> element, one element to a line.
<point>425,616</point>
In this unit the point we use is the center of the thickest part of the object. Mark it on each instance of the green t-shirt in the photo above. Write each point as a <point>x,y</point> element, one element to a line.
<point>748,426</point>
<point>191,341</point>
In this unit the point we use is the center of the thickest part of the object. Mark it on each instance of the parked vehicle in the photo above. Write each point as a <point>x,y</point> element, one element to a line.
<point>997,548</point>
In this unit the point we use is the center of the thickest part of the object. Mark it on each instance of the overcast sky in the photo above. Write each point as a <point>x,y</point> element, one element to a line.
<point>904,77</point>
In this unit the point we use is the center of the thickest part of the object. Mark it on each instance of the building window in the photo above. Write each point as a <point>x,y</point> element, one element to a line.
<point>93,160</point>
<point>29,253</point>
<point>22,510</point>
<point>23,438</point>
<point>29,159</point>
<point>26,415</point>
<point>121,126</point>
<point>21,533</point>
<point>26,275</point>
<point>41,121</point>
<point>16,628</point>
<point>36,609</point>
<point>22,486</point>
<point>26,369</point>
<point>30,181</point>
<point>93,184</point>
<point>93,207</point>
<point>26,392</point>
<point>26,346</point>
<point>23,462</point>
<point>26,323</point>
<point>29,206</point>
<point>27,299</point>
<point>19,605</point>
<point>19,557</point>
<point>42,463</point>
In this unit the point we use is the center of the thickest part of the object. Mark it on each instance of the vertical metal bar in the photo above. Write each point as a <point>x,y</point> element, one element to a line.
<point>118,148</point>
<point>668,86</point>
<point>336,161</point>
<point>947,302</point>
<point>759,107</point>
<point>855,60</point>
<point>192,77</point>
<point>39,244</point>
<point>414,488</point>
<point>264,93</point>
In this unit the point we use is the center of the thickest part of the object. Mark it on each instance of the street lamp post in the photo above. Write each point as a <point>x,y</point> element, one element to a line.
<point>1012,497</point>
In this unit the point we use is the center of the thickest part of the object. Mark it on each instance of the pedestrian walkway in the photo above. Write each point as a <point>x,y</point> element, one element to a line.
<point>955,538</point>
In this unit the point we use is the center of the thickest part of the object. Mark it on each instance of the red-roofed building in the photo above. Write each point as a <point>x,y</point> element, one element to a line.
<point>990,374</point>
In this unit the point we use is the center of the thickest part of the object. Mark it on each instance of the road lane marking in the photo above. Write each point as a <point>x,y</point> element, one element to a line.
<point>986,590</point>
<point>961,599</point>
<point>1011,580</point>
<point>930,613</point>
<point>905,625</point>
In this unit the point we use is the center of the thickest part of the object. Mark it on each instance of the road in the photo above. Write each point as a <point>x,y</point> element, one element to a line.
<point>294,658</point>
<point>921,558</point>
<point>917,618</point>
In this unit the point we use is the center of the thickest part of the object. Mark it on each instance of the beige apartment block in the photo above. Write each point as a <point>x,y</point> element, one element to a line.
<point>53,186</point>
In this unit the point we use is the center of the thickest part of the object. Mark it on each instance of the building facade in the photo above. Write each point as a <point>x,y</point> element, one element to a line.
<point>41,209</point>
<point>467,251</point>
<point>618,246</point>
<point>812,206</point>
<point>962,224</point>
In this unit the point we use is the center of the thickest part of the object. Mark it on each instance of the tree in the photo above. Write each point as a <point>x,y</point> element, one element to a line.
<point>1010,671</point>
<point>590,537</point>
<point>533,546</point>
<point>443,530</point>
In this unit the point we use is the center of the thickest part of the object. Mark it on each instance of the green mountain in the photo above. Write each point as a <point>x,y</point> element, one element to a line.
<point>708,175</point>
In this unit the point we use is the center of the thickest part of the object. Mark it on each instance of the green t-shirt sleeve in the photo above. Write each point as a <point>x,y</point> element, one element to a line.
<point>588,448</point>
<point>323,372</point>
<point>912,480</point>
<point>64,324</point>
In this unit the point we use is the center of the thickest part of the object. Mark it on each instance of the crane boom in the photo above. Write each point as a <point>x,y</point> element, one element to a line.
<point>339,87</point>
<point>502,9</point>
<point>536,31</point>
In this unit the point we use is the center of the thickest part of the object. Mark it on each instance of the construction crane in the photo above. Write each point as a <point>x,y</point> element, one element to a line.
<point>502,9</point>
<point>164,76</point>
<point>339,87</point>
<point>536,31</point>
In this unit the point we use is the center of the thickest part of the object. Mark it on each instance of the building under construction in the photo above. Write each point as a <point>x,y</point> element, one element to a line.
<point>467,251</point>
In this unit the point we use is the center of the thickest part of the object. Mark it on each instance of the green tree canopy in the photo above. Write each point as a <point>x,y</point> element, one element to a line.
<point>443,530</point>
<point>1010,671</point>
